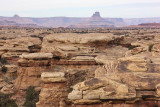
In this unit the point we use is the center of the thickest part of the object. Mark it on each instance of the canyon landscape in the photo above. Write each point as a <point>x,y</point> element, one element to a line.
<point>79,53</point>
<point>74,67</point>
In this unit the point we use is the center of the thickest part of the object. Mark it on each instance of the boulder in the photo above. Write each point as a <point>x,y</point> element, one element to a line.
<point>75,95</point>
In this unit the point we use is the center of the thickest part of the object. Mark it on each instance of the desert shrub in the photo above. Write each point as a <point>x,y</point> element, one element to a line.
<point>118,42</point>
<point>147,38</point>
<point>5,101</point>
<point>70,88</point>
<point>3,60</point>
<point>118,33</point>
<point>131,47</point>
<point>150,47</point>
<point>31,97</point>
<point>83,79</point>
<point>4,69</point>
<point>126,35</point>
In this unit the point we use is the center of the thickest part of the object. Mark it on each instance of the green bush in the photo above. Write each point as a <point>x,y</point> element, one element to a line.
<point>150,47</point>
<point>126,35</point>
<point>3,60</point>
<point>118,42</point>
<point>70,88</point>
<point>31,97</point>
<point>5,101</point>
<point>83,79</point>
<point>131,47</point>
<point>4,69</point>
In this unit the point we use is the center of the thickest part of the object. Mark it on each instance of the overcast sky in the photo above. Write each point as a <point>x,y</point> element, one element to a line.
<point>80,8</point>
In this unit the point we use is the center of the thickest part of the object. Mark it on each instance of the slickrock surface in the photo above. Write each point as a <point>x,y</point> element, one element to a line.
<point>68,45</point>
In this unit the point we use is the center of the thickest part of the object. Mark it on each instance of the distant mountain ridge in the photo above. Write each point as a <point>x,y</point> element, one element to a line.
<point>137,21</point>
<point>14,24</point>
<point>94,21</point>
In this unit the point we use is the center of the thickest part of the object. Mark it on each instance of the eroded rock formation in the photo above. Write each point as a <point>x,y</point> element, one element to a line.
<point>54,90</point>
<point>115,69</point>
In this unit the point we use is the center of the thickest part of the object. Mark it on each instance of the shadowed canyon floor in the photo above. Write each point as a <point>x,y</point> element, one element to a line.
<point>81,67</point>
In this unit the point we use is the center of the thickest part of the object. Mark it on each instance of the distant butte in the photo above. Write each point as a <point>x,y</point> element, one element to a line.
<point>96,15</point>
<point>16,16</point>
<point>96,21</point>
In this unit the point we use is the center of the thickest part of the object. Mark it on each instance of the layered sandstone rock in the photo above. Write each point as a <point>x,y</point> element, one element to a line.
<point>13,48</point>
<point>11,73</point>
<point>31,67</point>
<point>70,45</point>
<point>37,56</point>
<point>128,79</point>
<point>118,68</point>
<point>5,87</point>
<point>53,77</point>
<point>54,90</point>
<point>8,74</point>
<point>8,89</point>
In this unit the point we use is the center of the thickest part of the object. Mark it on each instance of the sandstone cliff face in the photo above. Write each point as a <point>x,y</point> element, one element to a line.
<point>73,54</point>
<point>31,67</point>
<point>29,72</point>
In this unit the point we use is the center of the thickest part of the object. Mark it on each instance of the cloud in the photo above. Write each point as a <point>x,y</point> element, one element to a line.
<point>25,5</point>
